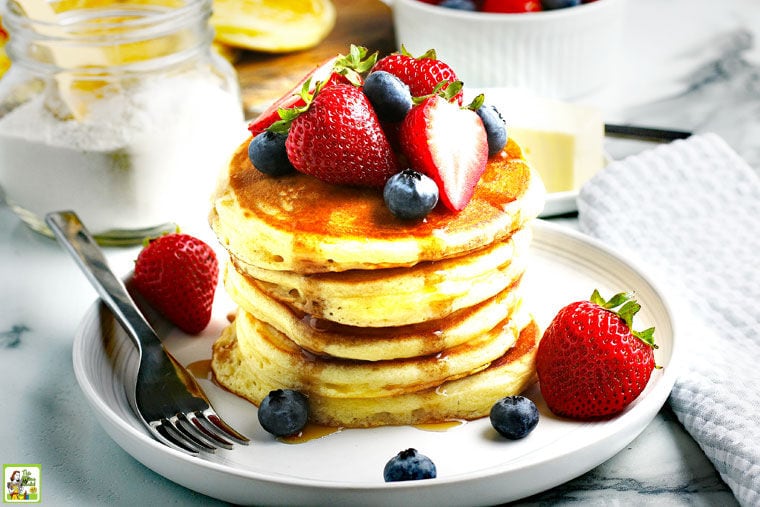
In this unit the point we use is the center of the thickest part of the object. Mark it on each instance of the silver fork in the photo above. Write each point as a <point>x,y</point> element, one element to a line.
<point>166,398</point>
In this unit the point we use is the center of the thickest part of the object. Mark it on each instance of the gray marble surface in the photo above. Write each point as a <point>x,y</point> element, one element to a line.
<point>686,64</point>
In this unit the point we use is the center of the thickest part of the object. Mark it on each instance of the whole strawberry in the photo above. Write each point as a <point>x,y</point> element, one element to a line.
<point>421,74</point>
<point>590,363</point>
<point>339,139</point>
<point>177,274</point>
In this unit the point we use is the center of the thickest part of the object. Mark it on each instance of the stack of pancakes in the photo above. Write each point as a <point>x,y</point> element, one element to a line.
<point>378,321</point>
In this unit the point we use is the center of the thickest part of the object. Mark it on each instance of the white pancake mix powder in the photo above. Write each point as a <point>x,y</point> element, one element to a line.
<point>140,158</point>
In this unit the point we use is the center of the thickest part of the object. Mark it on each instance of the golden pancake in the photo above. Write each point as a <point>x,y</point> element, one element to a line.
<point>399,296</point>
<point>281,363</point>
<point>300,224</point>
<point>323,337</point>
<point>469,397</point>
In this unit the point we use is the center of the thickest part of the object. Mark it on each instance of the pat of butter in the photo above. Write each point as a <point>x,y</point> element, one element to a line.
<point>562,141</point>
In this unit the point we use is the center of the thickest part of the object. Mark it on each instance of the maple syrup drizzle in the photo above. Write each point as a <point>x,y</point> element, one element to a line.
<point>310,432</point>
<point>439,427</point>
<point>201,369</point>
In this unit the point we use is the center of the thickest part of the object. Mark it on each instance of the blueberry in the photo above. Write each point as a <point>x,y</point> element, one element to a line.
<point>389,96</point>
<point>409,465</point>
<point>461,5</point>
<point>514,417</point>
<point>559,4</point>
<point>284,412</point>
<point>267,154</point>
<point>496,128</point>
<point>410,195</point>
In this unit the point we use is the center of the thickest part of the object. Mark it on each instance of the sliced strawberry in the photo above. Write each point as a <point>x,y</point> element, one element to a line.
<point>323,72</point>
<point>341,69</point>
<point>448,144</point>
<point>421,74</point>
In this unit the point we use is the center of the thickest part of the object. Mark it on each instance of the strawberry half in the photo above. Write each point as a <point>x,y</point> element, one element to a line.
<point>338,139</point>
<point>178,274</point>
<point>421,74</point>
<point>449,144</point>
<point>590,363</point>
<point>341,69</point>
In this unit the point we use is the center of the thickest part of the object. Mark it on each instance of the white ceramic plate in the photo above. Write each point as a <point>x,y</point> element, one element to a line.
<point>475,465</point>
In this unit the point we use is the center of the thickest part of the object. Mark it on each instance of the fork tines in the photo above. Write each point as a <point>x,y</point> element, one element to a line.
<point>197,431</point>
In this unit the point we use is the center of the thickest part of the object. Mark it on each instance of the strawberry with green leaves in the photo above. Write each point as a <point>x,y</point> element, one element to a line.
<point>447,143</point>
<point>178,274</point>
<point>590,362</point>
<point>421,74</point>
<point>337,138</point>
<point>341,69</point>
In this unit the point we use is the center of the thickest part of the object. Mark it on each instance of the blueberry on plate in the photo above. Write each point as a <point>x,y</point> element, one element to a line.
<point>390,97</point>
<point>268,154</point>
<point>409,465</point>
<point>496,128</point>
<point>284,412</point>
<point>410,194</point>
<point>514,417</point>
<point>559,4</point>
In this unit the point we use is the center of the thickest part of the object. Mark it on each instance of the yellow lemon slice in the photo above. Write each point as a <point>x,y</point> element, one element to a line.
<point>275,26</point>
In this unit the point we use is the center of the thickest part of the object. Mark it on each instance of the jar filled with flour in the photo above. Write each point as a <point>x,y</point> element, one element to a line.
<point>118,110</point>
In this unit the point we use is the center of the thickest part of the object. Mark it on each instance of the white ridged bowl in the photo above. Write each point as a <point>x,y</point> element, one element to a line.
<point>564,53</point>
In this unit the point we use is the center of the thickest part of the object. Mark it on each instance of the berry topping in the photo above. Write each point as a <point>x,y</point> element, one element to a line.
<point>267,154</point>
<point>409,465</point>
<point>410,195</point>
<point>447,143</point>
<point>462,5</point>
<point>422,74</point>
<point>514,417</point>
<point>590,363</point>
<point>559,4</point>
<point>338,139</point>
<point>341,69</point>
<point>511,6</point>
<point>284,412</point>
<point>178,274</point>
<point>496,128</point>
<point>389,96</point>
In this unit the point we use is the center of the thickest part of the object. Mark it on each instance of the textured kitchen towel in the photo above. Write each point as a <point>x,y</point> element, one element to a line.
<point>691,211</point>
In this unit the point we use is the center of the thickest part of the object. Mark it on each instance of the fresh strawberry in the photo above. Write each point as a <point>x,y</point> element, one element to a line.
<point>421,74</point>
<point>341,69</point>
<point>177,274</point>
<point>338,139</point>
<point>590,363</point>
<point>511,6</point>
<point>447,143</point>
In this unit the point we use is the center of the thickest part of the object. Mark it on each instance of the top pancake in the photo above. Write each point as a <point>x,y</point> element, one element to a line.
<point>298,223</point>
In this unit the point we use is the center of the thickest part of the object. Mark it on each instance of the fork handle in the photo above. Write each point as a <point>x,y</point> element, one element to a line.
<point>74,236</point>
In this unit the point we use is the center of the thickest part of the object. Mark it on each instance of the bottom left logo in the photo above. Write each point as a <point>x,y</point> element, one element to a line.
<point>22,483</point>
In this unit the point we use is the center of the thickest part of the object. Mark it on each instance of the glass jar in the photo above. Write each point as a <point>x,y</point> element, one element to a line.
<point>118,110</point>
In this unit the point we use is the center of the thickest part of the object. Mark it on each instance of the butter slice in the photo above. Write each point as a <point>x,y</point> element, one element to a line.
<point>562,141</point>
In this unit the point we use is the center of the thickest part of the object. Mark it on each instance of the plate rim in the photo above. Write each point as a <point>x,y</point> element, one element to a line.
<point>627,420</point>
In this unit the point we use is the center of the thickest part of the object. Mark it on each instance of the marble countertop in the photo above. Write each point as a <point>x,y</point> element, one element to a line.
<point>687,64</point>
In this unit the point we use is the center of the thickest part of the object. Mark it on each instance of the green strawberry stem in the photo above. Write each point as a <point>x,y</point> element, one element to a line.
<point>430,54</point>
<point>628,308</point>
<point>446,89</point>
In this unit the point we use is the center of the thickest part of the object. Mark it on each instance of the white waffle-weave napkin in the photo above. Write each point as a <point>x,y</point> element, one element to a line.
<point>691,211</point>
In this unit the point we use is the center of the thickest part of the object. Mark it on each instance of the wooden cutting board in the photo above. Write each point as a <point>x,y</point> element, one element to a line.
<point>266,77</point>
